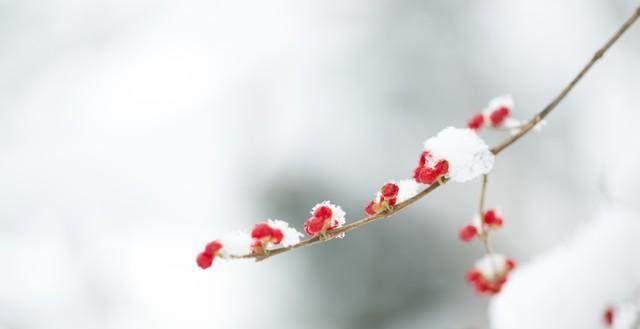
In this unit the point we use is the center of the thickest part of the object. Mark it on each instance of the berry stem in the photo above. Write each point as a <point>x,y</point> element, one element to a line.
<point>485,179</point>
<point>484,235</point>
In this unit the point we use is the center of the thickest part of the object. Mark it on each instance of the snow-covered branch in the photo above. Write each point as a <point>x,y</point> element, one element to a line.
<point>453,155</point>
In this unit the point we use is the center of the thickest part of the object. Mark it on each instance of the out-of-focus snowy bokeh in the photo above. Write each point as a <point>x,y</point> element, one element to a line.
<point>132,132</point>
<point>572,286</point>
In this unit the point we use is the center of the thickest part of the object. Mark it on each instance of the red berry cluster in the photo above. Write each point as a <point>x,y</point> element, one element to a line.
<point>262,235</point>
<point>490,272</point>
<point>498,116</point>
<point>429,170</point>
<point>491,219</point>
<point>320,222</point>
<point>495,118</point>
<point>205,258</point>
<point>386,200</point>
<point>491,284</point>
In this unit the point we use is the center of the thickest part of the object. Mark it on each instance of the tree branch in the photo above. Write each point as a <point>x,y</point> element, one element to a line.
<point>484,235</point>
<point>496,150</point>
<point>551,106</point>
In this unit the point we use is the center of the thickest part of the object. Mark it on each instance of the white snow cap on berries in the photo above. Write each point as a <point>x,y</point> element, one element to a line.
<point>468,155</point>
<point>236,243</point>
<point>379,197</point>
<point>513,124</point>
<point>498,102</point>
<point>489,264</point>
<point>476,221</point>
<point>407,189</point>
<point>291,236</point>
<point>338,216</point>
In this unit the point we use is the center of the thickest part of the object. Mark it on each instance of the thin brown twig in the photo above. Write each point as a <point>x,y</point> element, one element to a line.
<point>551,106</point>
<point>496,150</point>
<point>483,191</point>
<point>483,235</point>
<point>351,226</point>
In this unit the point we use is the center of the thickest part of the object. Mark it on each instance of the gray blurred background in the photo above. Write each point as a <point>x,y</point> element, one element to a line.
<point>132,132</point>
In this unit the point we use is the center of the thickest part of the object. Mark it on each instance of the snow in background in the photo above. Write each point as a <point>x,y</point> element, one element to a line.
<point>132,132</point>
<point>572,286</point>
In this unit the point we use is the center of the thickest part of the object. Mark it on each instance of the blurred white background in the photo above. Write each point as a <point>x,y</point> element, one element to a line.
<point>132,132</point>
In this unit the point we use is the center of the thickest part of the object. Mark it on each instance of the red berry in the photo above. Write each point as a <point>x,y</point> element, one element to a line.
<point>474,276</point>
<point>261,231</point>
<point>212,248</point>
<point>416,174</point>
<point>511,264</point>
<point>427,176</point>
<point>389,190</point>
<point>494,289</point>
<point>489,216</point>
<point>204,260</point>
<point>423,158</point>
<point>442,167</point>
<point>608,316</point>
<point>476,121</point>
<point>257,246</point>
<point>323,212</point>
<point>492,218</point>
<point>482,288</point>
<point>369,210</point>
<point>392,202</point>
<point>467,233</point>
<point>276,236</point>
<point>497,117</point>
<point>314,225</point>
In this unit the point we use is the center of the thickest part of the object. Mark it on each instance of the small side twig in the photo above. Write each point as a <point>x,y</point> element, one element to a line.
<point>484,234</point>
